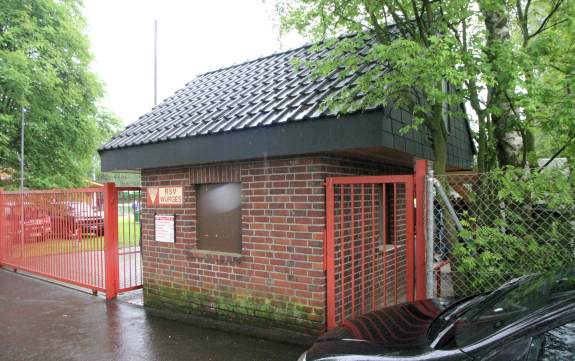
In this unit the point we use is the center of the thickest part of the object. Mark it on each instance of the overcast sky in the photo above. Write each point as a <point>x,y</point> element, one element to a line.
<point>194,36</point>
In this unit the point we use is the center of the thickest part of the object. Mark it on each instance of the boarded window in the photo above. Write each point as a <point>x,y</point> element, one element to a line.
<point>219,217</point>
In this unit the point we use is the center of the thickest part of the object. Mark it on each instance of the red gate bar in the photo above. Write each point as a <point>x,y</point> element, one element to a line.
<point>420,236</point>
<point>111,236</point>
<point>362,249</point>
<point>395,243</point>
<point>410,244</point>
<point>331,322</point>
<point>384,222</point>
<point>352,250</point>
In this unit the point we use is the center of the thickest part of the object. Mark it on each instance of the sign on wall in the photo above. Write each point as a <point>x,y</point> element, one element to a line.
<point>165,227</point>
<point>164,196</point>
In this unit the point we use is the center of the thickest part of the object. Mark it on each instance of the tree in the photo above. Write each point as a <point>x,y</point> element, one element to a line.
<point>432,56</point>
<point>108,124</point>
<point>44,69</point>
<point>412,39</point>
<point>548,102</point>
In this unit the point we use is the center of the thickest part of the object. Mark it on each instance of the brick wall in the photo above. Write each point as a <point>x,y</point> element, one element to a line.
<point>278,279</point>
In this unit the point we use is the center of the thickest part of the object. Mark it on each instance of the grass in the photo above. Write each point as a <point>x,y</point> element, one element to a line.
<point>128,236</point>
<point>128,233</point>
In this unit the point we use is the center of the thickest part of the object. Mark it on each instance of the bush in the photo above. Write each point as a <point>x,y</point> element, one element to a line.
<point>515,223</point>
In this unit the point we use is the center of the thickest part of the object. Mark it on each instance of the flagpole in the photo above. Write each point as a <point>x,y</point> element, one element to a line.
<point>22,150</point>
<point>155,62</point>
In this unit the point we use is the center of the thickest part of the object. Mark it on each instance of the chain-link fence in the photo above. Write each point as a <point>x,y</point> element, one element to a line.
<point>489,228</point>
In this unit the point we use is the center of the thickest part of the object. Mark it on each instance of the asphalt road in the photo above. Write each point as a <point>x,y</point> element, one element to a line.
<point>44,321</point>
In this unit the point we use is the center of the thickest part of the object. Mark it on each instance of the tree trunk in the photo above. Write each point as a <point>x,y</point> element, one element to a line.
<point>439,140</point>
<point>482,139</point>
<point>529,149</point>
<point>507,141</point>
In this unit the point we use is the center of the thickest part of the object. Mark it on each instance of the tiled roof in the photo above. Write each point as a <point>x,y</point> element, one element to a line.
<point>261,92</point>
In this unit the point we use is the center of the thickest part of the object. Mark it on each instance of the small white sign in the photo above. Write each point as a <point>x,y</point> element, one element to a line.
<point>165,228</point>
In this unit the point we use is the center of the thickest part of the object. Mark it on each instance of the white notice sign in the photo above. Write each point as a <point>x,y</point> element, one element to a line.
<point>165,228</point>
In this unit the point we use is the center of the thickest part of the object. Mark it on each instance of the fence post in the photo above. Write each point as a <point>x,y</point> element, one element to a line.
<point>420,246</point>
<point>430,234</point>
<point>111,240</point>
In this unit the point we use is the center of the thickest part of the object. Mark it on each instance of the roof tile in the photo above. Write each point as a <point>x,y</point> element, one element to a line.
<point>262,92</point>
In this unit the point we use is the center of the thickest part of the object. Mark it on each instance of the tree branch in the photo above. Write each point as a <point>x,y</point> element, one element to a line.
<point>558,152</point>
<point>420,25</point>
<point>522,20</point>
<point>381,33</point>
<point>543,25</point>
<point>400,23</point>
<point>563,71</point>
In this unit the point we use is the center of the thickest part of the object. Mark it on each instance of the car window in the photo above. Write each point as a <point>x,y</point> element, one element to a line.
<point>512,305</point>
<point>557,344</point>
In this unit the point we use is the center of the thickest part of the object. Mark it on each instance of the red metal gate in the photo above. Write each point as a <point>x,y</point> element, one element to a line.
<point>130,240</point>
<point>76,236</point>
<point>370,244</point>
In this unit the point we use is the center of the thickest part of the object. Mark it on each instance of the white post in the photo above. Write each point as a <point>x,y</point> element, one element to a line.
<point>430,235</point>
<point>22,225</point>
<point>155,62</point>
<point>22,152</point>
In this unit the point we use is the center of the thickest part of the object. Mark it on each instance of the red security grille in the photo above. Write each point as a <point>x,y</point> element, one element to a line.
<point>129,238</point>
<point>57,234</point>
<point>87,237</point>
<point>369,244</point>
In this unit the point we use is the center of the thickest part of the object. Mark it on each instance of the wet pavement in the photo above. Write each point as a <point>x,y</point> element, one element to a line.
<point>43,321</point>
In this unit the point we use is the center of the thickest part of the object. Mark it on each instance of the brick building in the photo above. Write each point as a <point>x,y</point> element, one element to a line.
<point>250,148</point>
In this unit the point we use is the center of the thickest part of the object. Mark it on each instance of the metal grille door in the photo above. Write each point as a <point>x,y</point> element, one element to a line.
<point>369,244</point>
<point>129,238</point>
<point>56,233</point>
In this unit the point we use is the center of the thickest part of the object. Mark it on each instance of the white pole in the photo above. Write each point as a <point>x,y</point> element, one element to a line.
<point>155,62</point>
<point>430,235</point>
<point>22,226</point>
<point>22,151</point>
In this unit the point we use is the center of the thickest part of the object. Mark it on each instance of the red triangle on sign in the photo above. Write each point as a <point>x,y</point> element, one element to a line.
<point>152,195</point>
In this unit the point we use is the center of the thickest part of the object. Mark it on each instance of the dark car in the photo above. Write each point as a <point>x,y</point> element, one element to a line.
<point>75,219</point>
<point>527,319</point>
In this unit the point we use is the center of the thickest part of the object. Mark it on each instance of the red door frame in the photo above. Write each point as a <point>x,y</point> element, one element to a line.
<point>420,236</point>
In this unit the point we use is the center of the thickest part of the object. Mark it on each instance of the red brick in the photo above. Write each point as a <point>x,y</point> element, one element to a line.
<point>283,203</point>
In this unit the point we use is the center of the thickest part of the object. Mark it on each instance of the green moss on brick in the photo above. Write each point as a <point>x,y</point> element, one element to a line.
<point>236,307</point>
